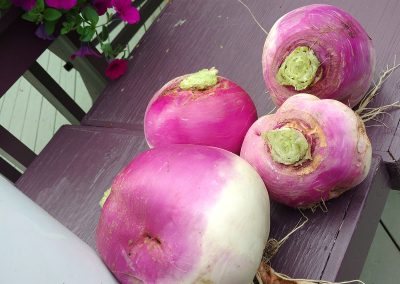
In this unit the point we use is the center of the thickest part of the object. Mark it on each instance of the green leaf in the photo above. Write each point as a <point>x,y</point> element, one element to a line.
<point>31,16</point>
<point>107,50</point>
<point>90,15</point>
<point>5,4</point>
<point>79,30</point>
<point>39,5</point>
<point>51,14</point>
<point>49,27</point>
<point>104,33</point>
<point>87,34</point>
<point>67,27</point>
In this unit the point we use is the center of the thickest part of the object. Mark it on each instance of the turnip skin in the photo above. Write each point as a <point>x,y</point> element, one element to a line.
<point>185,214</point>
<point>217,116</point>
<point>342,46</point>
<point>340,150</point>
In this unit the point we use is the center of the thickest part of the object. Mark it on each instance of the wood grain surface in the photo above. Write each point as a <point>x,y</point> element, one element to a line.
<point>70,175</point>
<point>20,47</point>
<point>190,35</point>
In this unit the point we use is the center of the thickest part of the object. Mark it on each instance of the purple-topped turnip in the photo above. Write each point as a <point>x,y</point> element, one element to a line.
<point>321,50</point>
<point>185,214</point>
<point>200,108</point>
<point>310,150</point>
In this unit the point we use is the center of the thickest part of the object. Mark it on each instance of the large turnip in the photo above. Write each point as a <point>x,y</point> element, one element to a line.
<point>321,50</point>
<point>309,151</point>
<point>200,108</point>
<point>185,214</point>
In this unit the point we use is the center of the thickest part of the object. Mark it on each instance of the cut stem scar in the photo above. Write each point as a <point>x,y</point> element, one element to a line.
<point>288,145</point>
<point>200,80</point>
<point>299,69</point>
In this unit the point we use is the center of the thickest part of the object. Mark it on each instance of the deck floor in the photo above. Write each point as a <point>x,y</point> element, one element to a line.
<point>33,120</point>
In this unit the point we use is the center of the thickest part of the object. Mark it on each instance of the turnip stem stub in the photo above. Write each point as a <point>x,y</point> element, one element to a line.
<point>299,69</point>
<point>288,146</point>
<point>200,80</point>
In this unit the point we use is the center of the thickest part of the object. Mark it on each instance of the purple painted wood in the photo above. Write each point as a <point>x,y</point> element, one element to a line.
<point>19,47</point>
<point>70,175</point>
<point>223,34</point>
<point>15,148</point>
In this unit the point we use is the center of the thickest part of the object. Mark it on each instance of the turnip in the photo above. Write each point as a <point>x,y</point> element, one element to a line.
<point>321,50</point>
<point>310,150</point>
<point>200,108</point>
<point>185,214</point>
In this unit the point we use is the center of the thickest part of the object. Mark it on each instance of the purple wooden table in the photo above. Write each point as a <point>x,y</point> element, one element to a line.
<point>71,173</point>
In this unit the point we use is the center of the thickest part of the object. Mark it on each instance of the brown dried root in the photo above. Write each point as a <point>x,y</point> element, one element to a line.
<point>273,245</point>
<point>266,275</point>
<point>366,113</point>
<point>321,205</point>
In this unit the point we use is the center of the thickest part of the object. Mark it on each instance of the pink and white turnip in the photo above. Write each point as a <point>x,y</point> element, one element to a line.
<point>185,214</point>
<point>321,50</point>
<point>310,150</point>
<point>200,108</point>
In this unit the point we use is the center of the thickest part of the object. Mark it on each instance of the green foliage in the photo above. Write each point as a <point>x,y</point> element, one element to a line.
<point>83,19</point>
<point>5,4</point>
<point>90,15</point>
<point>51,14</point>
<point>86,33</point>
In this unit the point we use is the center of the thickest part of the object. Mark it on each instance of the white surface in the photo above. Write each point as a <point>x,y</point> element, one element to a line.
<point>37,249</point>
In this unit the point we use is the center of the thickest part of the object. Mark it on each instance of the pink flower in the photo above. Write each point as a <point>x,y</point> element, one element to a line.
<point>126,11</point>
<point>116,68</point>
<point>61,4</point>
<point>101,6</point>
<point>85,50</point>
<point>27,5</point>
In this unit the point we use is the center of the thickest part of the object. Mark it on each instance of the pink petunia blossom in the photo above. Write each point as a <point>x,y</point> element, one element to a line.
<point>101,6</point>
<point>85,50</point>
<point>27,5</point>
<point>61,4</point>
<point>116,68</point>
<point>126,11</point>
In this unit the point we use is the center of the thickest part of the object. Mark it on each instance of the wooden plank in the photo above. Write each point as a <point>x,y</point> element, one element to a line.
<point>94,81</point>
<point>128,32</point>
<point>358,227</point>
<point>382,262</point>
<point>16,149</point>
<point>46,125</point>
<point>82,97</point>
<point>76,177</point>
<point>20,108</point>
<point>8,105</point>
<point>50,89</point>
<point>171,49</point>
<point>31,122</point>
<point>390,216</point>
<point>15,36</point>
<point>9,171</point>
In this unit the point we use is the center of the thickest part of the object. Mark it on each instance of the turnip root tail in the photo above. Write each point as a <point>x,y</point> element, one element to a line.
<point>254,17</point>
<point>367,113</point>
<point>266,275</point>
<point>273,245</point>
